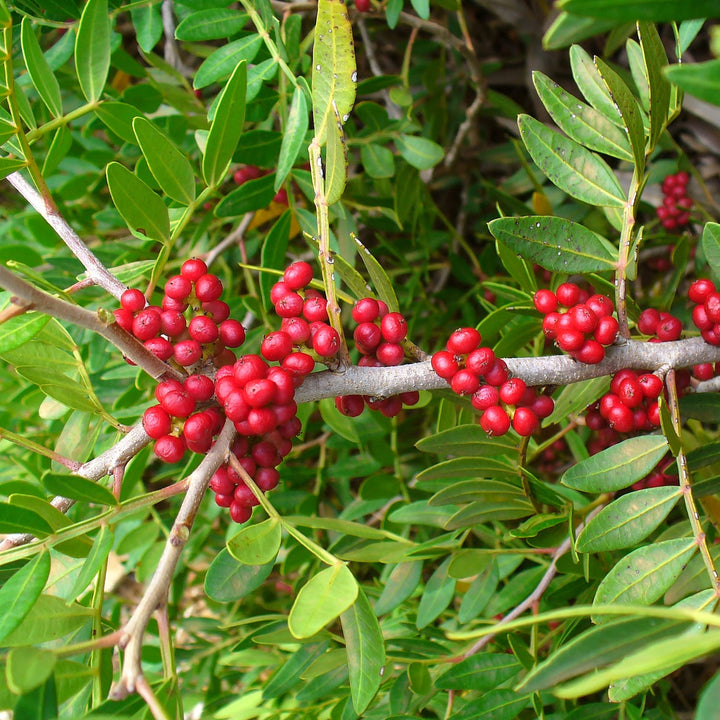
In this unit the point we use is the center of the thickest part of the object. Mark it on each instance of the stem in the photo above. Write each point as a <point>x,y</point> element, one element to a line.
<point>686,486</point>
<point>626,239</point>
<point>51,125</point>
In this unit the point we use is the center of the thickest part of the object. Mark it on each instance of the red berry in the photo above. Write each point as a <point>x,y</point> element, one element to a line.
<point>525,422</point>
<point>463,341</point>
<point>480,360</point>
<point>156,422</point>
<point>220,482</point>
<point>568,294</point>
<point>203,329</point>
<point>549,325</point>
<point>172,323</point>
<point>169,449</point>
<point>315,309</point>
<point>570,340</point>
<point>187,352</point>
<point>606,330</point>
<point>297,328</point>
<point>267,478</point>
<point>653,414</point>
<point>178,404</point>
<point>630,392</point>
<point>367,336</point>
<point>591,352</point>
<point>412,397</point>
<point>249,367</point>
<point>495,421</point>
<point>276,346</point>
<point>393,327</point>
<point>298,275</point>
<point>669,329</point>
<point>248,172</point>
<point>290,305</point>
<point>648,321</point>
<point>217,310</point>
<point>390,353</point>
<point>545,301</point>
<point>240,513</point>
<point>498,373</point>
<point>232,333</point>
<point>198,428</point>
<point>167,386</point>
<point>160,347</point>
<point>651,385</point>
<point>619,377</point>
<point>365,310</point>
<point>261,420</point>
<point>133,300</point>
<point>543,406</point>
<point>444,364</point>
<point>363,6</point>
<point>583,318</point>
<point>464,382</point>
<point>193,268</point>
<point>601,305</point>
<point>512,390</point>
<point>199,387</point>
<point>208,288</point>
<point>484,397</point>
<point>621,418</point>
<point>260,393</point>
<point>124,318</point>
<point>169,303</point>
<point>178,287</point>
<point>298,364</point>
<point>146,324</point>
<point>326,341</point>
<point>350,405</point>
<point>235,404</point>
<point>704,371</point>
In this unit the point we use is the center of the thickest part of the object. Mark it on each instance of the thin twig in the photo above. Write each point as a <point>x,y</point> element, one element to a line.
<point>172,55</point>
<point>232,239</point>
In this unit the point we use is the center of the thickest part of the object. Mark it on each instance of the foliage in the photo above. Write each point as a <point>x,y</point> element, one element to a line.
<point>407,567</point>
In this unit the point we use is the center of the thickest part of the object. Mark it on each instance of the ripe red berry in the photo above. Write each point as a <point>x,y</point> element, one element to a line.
<point>525,422</point>
<point>133,300</point>
<point>178,287</point>
<point>621,418</point>
<point>480,361</point>
<point>249,367</point>
<point>545,301</point>
<point>570,340</point>
<point>169,449</point>
<point>146,324</point>
<point>412,397</point>
<point>160,348</point>
<point>543,406</point>
<point>390,353</point>
<point>167,386</point>
<point>393,327</point>
<point>367,336</point>
<point>669,328</point>
<point>193,268</point>
<point>464,382</point>
<point>650,384</point>
<point>198,428</point>
<point>362,6</point>
<point>366,310</point>
<point>172,323</point>
<point>187,352</point>
<point>549,325</point>
<point>583,318</point>
<point>221,483</point>
<point>169,303</point>
<point>630,392</point>
<point>444,364</point>
<point>512,391</point>
<point>463,341</point>
<point>199,387</point>
<point>156,422</point>
<point>208,288</point>
<point>619,377</point>
<point>260,393</point>
<point>606,330</point>
<point>315,309</point>
<point>203,329</point>
<point>276,346</point>
<point>591,352</point>
<point>298,275</point>
<point>484,397</point>
<point>232,333</point>
<point>234,404</point>
<point>267,478</point>
<point>124,318</point>
<point>177,403</point>
<point>261,420</point>
<point>648,321</point>
<point>350,405</point>
<point>698,290</point>
<point>239,513</point>
<point>326,341</point>
<point>568,294</point>
<point>245,173</point>
<point>701,319</point>
<point>495,421</point>
<point>298,364</point>
<point>601,305</point>
<point>289,305</point>
<point>498,373</point>
<point>704,371</point>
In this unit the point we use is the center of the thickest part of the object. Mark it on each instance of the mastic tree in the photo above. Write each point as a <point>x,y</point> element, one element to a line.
<point>341,379</point>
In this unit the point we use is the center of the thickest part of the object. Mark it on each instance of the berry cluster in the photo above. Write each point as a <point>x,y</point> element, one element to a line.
<point>465,365</point>
<point>378,336</point>
<point>674,213</point>
<point>191,325</point>
<point>585,328</point>
<point>661,326</point>
<point>631,405</point>
<point>706,313</point>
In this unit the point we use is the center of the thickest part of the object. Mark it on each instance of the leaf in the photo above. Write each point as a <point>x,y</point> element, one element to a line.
<point>92,49</point>
<point>118,118</point>
<point>642,576</point>
<point>169,166</point>
<point>399,586</point>
<point>582,123</point>
<point>598,647</point>
<point>484,672</point>
<point>226,128</point>
<point>20,592</point>
<point>336,162</point>
<point>15,519</point>
<point>38,704</point>
<point>569,166</point>
<point>568,28</point>
<point>148,26</point>
<point>273,254</point>
<point>141,208</point>
<point>470,467</point>
<point>592,86</point>
<point>651,10</point>
<point>628,520</point>
<point>365,651</point>
<point>290,674</point>
<point>78,488</point>
<point>555,243</point>
<point>710,242</point>
<point>438,594</point>
<point>484,490</point>
<point>39,70</point>
<point>480,512</point>
<point>618,466</point>
<point>323,598</point>
<point>334,72</point>
<point>226,60</point>
<point>378,161</point>
<point>709,699</point>
<point>211,24</point>
<point>629,110</point>
<point>252,195</point>
<point>18,330</point>
<point>256,544</point>
<point>293,138</point>
<point>102,544</point>
<point>478,595</point>
<point>699,79</point>
<point>464,441</point>
<point>378,277</point>
<point>503,704</point>
<point>28,668</point>
<point>9,165</point>
<point>422,153</point>
<point>227,580</point>
<point>658,86</point>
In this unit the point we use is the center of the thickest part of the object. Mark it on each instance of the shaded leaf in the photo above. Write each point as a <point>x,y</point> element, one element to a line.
<point>400,585</point>
<point>20,592</point>
<point>483,672</point>
<point>651,10</point>
<point>438,594</point>
<point>78,488</point>
<point>293,138</point>
<point>422,153</point>
<point>228,580</point>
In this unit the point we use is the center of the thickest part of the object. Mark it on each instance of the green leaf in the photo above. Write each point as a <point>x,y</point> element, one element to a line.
<point>50,619</point>
<point>273,254</point>
<point>484,672</point>
<point>555,243</point>
<point>581,122</point>
<point>169,166</point>
<point>336,162</point>
<point>10,165</point>
<point>470,467</point>
<point>438,594</point>
<point>92,49</point>
<point>118,118</point>
<point>419,152</point>
<point>290,674</point>
<point>627,106</point>
<point>484,490</point>
<point>465,441</point>
<point>503,704</point>
<point>592,86</point>
<point>78,488</point>
<point>28,668</point>
<point>141,208</point>
<point>642,576</point>
<point>710,242</point>
<point>709,699</point>
<point>211,24</point>
<point>148,26</point>
<point>39,70</point>
<point>15,519</point>
<point>478,595</point>
<point>102,544</point>
<point>568,28</point>
<point>227,580</point>
<point>699,79</point>
<point>323,598</point>
<point>400,585</point>
<point>477,513</point>
<point>378,161</point>
<point>226,128</point>
<point>20,592</point>
<point>569,166</point>
<point>38,704</point>
<point>250,196</point>
<point>658,86</point>
<point>334,72</point>
<point>618,466</point>
<point>651,10</point>
<point>378,277</point>
<point>226,60</point>
<point>365,651</point>
<point>293,138</point>
<point>628,520</point>
<point>257,544</point>
<point>598,647</point>
<point>18,330</point>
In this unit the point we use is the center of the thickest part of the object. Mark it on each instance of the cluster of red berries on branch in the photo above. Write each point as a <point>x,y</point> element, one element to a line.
<point>191,326</point>
<point>581,324</point>
<point>706,313</point>
<point>379,336</point>
<point>660,326</point>
<point>476,371</point>
<point>674,212</point>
